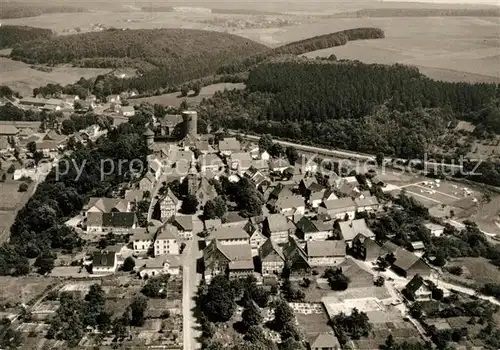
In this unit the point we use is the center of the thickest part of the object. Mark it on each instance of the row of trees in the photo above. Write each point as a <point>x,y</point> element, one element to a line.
<point>303,46</point>
<point>14,9</point>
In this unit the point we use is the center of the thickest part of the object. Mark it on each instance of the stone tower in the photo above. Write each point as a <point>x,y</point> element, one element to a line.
<point>190,119</point>
<point>192,181</point>
<point>149,137</point>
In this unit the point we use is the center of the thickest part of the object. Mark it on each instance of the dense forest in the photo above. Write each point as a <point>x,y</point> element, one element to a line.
<point>423,12</point>
<point>155,47</point>
<point>14,35</point>
<point>14,9</point>
<point>164,57</point>
<point>361,107</point>
<point>303,46</point>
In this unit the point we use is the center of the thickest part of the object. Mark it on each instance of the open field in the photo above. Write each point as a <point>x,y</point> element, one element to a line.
<point>444,48</point>
<point>20,77</point>
<point>22,289</point>
<point>12,201</point>
<point>174,99</point>
<point>478,270</point>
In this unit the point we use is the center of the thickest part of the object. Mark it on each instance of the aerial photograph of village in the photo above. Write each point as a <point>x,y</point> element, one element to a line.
<point>250,175</point>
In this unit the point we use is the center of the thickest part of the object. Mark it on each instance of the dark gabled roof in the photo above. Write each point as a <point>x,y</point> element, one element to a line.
<point>103,258</point>
<point>184,223</point>
<point>306,225</point>
<point>114,219</point>
<point>294,251</point>
<point>269,247</point>
<point>415,284</point>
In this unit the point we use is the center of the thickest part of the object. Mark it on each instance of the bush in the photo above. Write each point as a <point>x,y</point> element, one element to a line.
<point>23,187</point>
<point>455,270</point>
<point>128,264</point>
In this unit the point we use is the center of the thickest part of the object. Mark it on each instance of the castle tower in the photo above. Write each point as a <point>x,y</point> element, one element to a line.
<point>149,137</point>
<point>192,181</point>
<point>190,119</point>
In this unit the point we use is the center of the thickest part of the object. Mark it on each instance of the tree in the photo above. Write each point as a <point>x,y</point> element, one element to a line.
<point>251,315</point>
<point>31,147</point>
<point>128,264</point>
<point>23,187</point>
<point>215,208</point>
<point>218,303</point>
<point>184,91</point>
<point>356,325</point>
<point>276,150</point>
<point>265,143</point>
<point>283,315</point>
<point>45,263</point>
<point>292,154</point>
<point>336,279</point>
<point>379,158</point>
<point>292,344</point>
<point>189,205</point>
<point>138,309</point>
<point>196,88</point>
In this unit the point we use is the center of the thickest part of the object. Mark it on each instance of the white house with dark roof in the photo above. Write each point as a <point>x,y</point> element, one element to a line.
<point>104,262</point>
<point>339,208</point>
<point>229,235</point>
<point>325,253</point>
<point>310,229</point>
<point>167,241</point>
<point>119,223</point>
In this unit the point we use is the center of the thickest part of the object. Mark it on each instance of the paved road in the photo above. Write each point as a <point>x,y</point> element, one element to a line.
<point>190,283</point>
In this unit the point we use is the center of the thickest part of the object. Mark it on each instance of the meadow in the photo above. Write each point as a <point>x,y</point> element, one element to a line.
<point>21,77</point>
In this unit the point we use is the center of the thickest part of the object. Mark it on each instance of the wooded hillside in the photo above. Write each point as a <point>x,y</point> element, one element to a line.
<point>156,47</point>
<point>13,35</point>
<point>370,108</point>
